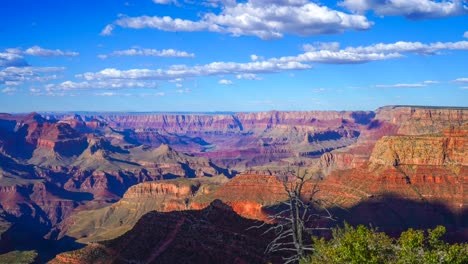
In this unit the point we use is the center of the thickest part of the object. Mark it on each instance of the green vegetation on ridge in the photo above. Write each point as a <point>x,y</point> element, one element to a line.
<point>362,245</point>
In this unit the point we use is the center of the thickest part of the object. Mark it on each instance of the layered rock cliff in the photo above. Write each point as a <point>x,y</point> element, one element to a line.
<point>114,220</point>
<point>392,121</point>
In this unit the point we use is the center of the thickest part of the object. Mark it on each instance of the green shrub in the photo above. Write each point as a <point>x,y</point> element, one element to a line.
<point>367,245</point>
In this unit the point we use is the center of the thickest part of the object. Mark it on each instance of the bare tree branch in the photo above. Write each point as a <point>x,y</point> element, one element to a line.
<point>294,224</point>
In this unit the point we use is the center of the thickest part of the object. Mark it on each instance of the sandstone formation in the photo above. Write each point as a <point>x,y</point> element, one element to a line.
<point>215,234</point>
<point>114,220</point>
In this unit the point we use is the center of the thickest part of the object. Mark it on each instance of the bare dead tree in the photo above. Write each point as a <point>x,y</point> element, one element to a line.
<point>296,222</point>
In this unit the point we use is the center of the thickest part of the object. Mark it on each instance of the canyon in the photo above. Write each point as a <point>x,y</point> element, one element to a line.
<point>90,177</point>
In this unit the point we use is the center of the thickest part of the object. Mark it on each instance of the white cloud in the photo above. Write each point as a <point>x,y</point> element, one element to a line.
<point>179,85</point>
<point>107,30</point>
<point>20,75</point>
<point>8,59</point>
<point>225,82</point>
<point>254,57</point>
<point>12,83</point>
<point>413,47</point>
<point>32,70</point>
<point>148,52</point>
<point>362,54</point>
<point>331,46</point>
<point>183,71</point>
<point>8,90</point>
<point>465,35</point>
<point>401,85</point>
<point>329,54</point>
<point>461,80</point>
<point>407,85</point>
<point>338,57</point>
<point>176,80</point>
<point>106,94</point>
<point>249,76</point>
<point>264,19</point>
<point>100,85</point>
<point>41,52</point>
<point>410,9</point>
<point>164,2</point>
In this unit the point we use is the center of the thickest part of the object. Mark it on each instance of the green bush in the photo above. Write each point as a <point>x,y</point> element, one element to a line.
<point>18,257</point>
<point>367,245</point>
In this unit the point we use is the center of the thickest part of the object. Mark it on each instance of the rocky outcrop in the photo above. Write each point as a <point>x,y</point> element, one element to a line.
<point>163,196</point>
<point>215,234</point>
<point>413,120</point>
<point>442,149</point>
<point>397,120</point>
<point>420,150</point>
<point>427,167</point>
<point>248,194</point>
<point>41,201</point>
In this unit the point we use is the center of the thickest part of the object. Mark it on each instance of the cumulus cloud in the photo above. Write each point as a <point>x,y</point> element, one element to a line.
<point>332,46</point>
<point>264,19</point>
<point>225,82</point>
<point>465,35</point>
<point>183,71</point>
<point>329,54</point>
<point>20,75</point>
<point>41,52</point>
<point>14,57</point>
<point>8,59</point>
<point>363,54</point>
<point>148,52</point>
<point>338,57</point>
<point>254,57</point>
<point>412,47</point>
<point>410,9</point>
<point>100,85</point>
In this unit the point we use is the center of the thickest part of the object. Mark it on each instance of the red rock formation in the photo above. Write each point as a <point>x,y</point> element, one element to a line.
<point>422,120</point>
<point>248,194</point>
<point>215,234</point>
<point>390,121</point>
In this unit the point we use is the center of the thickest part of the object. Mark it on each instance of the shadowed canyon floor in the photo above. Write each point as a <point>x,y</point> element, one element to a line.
<point>89,177</point>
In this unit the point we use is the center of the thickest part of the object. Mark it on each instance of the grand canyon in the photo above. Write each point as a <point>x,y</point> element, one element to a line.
<point>233,131</point>
<point>120,187</point>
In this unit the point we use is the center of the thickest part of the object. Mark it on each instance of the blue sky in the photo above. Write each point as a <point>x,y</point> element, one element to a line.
<point>227,55</point>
